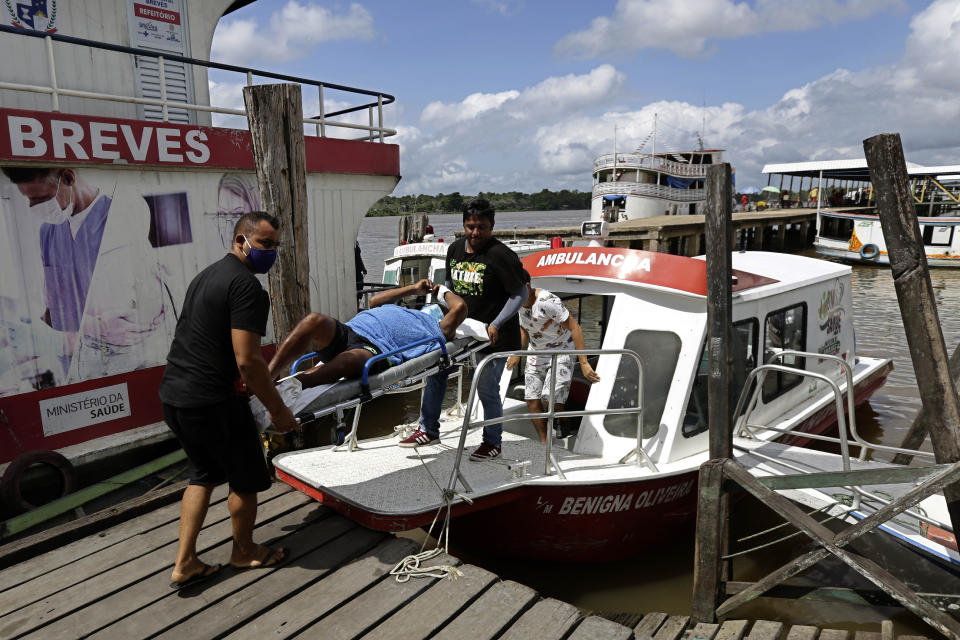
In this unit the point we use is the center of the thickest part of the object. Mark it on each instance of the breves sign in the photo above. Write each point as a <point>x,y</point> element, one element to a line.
<point>654,269</point>
<point>43,136</point>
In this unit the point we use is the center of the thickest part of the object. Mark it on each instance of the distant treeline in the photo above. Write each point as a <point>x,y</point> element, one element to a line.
<point>544,200</point>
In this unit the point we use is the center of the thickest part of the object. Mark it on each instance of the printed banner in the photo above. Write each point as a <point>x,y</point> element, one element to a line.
<point>83,409</point>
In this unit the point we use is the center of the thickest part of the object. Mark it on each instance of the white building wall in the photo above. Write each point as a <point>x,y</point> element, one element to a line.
<point>94,70</point>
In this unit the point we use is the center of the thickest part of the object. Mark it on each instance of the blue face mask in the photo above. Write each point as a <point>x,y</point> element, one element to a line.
<point>260,260</point>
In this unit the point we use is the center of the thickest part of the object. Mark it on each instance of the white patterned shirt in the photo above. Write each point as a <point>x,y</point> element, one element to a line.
<point>543,322</point>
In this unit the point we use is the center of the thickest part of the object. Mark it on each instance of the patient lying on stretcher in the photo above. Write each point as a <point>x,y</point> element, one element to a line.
<point>344,348</point>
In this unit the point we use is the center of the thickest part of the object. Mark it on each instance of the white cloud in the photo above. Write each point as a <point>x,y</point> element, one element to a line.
<point>441,114</point>
<point>290,33</point>
<point>566,94</point>
<point>503,7</point>
<point>686,27</point>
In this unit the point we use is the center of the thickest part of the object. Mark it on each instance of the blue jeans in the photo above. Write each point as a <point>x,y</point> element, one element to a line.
<point>488,390</point>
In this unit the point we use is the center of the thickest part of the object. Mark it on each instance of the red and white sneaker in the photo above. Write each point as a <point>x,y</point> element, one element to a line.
<point>485,452</point>
<point>418,438</point>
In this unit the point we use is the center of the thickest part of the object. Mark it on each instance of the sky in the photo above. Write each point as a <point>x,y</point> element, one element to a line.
<point>522,95</point>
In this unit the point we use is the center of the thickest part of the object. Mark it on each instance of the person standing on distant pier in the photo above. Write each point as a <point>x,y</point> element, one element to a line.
<point>214,358</point>
<point>489,277</point>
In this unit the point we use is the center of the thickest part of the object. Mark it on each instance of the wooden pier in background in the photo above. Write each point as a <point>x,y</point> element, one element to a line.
<point>769,230</point>
<point>335,584</point>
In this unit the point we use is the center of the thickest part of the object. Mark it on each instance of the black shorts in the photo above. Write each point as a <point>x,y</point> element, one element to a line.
<point>346,339</point>
<point>222,444</point>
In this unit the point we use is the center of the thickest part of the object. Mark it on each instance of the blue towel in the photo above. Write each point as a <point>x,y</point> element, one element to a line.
<point>391,327</point>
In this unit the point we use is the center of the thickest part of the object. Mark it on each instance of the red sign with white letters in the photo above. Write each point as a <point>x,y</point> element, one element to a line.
<point>50,137</point>
<point>654,269</point>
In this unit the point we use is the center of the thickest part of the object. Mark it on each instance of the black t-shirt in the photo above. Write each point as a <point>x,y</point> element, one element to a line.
<point>201,366</point>
<point>485,280</point>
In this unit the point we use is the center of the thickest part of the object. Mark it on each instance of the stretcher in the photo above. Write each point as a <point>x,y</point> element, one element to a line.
<point>336,398</point>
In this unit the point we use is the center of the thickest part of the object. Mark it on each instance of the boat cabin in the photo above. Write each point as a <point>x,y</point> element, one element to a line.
<point>654,304</point>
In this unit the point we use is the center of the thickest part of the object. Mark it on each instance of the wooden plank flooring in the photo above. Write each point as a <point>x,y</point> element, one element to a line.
<point>334,584</point>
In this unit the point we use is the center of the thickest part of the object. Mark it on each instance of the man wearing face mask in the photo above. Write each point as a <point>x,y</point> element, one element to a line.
<point>214,358</point>
<point>73,216</point>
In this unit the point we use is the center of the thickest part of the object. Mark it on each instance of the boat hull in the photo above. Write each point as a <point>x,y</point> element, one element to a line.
<point>564,522</point>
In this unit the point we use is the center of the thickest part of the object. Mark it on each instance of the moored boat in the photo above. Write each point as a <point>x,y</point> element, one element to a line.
<point>417,260</point>
<point>627,479</point>
<point>628,186</point>
<point>156,189</point>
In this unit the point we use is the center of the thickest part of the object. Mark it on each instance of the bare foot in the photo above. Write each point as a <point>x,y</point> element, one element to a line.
<point>261,556</point>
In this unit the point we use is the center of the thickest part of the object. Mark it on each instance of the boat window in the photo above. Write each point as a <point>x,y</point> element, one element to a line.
<point>937,236</point>
<point>784,329</point>
<point>390,277</point>
<point>413,270</point>
<point>744,361</point>
<point>836,228</point>
<point>658,351</point>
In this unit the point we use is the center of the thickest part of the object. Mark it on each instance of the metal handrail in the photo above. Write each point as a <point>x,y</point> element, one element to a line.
<point>644,189</point>
<point>651,162</point>
<point>319,120</point>
<point>744,427</point>
<point>551,413</point>
<point>851,407</point>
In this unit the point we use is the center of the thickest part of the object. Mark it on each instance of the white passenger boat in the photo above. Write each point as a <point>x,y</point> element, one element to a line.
<point>857,236</point>
<point>417,260</point>
<point>628,186</point>
<point>157,186</point>
<point>627,479</point>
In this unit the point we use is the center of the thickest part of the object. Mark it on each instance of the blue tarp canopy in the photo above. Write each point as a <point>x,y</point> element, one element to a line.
<point>682,183</point>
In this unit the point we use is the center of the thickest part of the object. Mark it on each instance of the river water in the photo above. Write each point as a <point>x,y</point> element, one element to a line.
<point>662,579</point>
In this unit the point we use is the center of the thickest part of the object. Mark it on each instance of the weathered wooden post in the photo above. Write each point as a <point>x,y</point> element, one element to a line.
<point>413,227</point>
<point>918,430</point>
<point>918,307</point>
<point>275,116</point>
<point>713,507</point>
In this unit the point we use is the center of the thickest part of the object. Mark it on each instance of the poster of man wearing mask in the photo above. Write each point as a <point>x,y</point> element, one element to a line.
<point>82,294</point>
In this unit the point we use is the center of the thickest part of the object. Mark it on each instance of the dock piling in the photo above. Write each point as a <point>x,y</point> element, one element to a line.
<point>918,307</point>
<point>712,522</point>
<point>275,116</point>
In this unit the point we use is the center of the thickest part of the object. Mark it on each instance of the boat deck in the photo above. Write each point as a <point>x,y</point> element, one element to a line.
<point>335,584</point>
<point>358,477</point>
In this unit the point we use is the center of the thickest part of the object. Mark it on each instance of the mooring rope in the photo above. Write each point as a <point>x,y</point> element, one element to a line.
<point>410,566</point>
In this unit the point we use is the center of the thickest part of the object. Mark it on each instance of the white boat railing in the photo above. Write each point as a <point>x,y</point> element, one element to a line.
<point>550,414</point>
<point>649,190</point>
<point>374,128</point>
<point>652,163</point>
<point>745,429</point>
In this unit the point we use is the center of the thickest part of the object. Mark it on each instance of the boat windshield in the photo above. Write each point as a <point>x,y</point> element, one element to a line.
<point>413,270</point>
<point>658,351</point>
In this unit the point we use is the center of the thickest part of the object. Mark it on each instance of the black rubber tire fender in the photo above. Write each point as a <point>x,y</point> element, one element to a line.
<point>11,492</point>
<point>870,251</point>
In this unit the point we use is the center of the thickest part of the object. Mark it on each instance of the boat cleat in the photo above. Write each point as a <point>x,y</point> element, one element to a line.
<point>518,468</point>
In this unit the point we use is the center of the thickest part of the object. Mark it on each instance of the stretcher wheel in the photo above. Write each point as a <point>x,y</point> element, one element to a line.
<point>11,490</point>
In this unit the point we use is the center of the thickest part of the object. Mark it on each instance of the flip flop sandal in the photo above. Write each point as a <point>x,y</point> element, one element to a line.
<point>277,554</point>
<point>209,571</point>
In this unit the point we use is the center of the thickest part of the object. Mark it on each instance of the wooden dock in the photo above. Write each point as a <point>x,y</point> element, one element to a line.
<point>335,584</point>
<point>769,230</point>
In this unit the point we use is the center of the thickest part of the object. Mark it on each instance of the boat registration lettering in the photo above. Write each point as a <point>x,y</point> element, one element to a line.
<point>584,505</point>
<point>599,258</point>
<point>77,410</point>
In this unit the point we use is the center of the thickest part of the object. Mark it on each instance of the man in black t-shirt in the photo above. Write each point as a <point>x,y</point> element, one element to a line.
<point>215,354</point>
<point>489,277</point>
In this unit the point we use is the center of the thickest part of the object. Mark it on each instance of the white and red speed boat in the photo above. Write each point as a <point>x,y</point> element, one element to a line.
<point>602,499</point>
